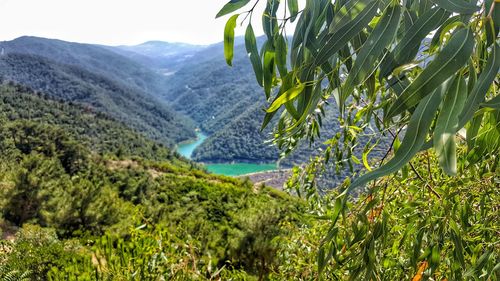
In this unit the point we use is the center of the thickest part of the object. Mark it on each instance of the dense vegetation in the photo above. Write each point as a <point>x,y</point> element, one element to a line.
<point>68,213</point>
<point>127,104</point>
<point>414,225</point>
<point>375,59</point>
<point>210,93</point>
<point>90,128</point>
<point>75,205</point>
<point>96,59</point>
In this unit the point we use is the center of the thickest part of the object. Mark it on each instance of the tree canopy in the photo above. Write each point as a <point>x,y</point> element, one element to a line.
<point>419,71</point>
<point>423,73</point>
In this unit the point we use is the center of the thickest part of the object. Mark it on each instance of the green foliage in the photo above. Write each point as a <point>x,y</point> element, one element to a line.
<point>84,209</point>
<point>424,226</point>
<point>66,73</point>
<point>91,128</point>
<point>373,59</point>
<point>35,252</point>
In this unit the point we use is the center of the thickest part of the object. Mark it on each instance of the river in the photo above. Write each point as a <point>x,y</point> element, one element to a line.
<point>228,169</point>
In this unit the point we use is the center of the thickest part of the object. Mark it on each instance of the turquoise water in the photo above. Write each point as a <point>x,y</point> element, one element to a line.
<point>186,149</point>
<point>238,169</point>
<point>227,169</point>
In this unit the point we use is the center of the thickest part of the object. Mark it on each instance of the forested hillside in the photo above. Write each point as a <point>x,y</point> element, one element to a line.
<point>209,92</point>
<point>90,128</point>
<point>73,191</point>
<point>69,213</point>
<point>92,58</point>
<point>128,104</point>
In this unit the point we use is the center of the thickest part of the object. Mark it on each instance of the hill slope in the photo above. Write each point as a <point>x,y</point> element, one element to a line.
<point>92,58</point>
<point>130,105</point>
<point>62,204</point>
<point>210,92</point>
<point>91,128</point>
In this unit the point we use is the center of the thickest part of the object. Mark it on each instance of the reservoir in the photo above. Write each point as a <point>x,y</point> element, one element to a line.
<point>186,149</point>
<point>228,169</point>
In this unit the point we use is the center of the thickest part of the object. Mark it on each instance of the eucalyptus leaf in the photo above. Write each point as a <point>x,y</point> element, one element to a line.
<point>409,45</point>
<point>229,39</point>
<point>293,7</point>
<point>457,6</point>
<point>447,125</point>
<point>337,40</point>
<point>372,49</point>
<point>482,86</point>
<point>231,6</point>
<point>447,62</point>
<point>418,129</point>
<point>253,53</point>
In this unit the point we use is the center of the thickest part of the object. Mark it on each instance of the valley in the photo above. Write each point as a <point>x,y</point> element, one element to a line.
<point>228,169</point>
<point>128,84</point>
<point>319,140</point>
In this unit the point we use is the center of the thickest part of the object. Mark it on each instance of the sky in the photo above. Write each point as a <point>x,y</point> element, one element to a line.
<point>116,22</point>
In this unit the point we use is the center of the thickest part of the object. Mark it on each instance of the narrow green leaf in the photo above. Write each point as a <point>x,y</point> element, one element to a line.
<point>492,103</point>
<point>447,62</point>
<point>472,130</point>
<point>231,6</point>
<point>447,125</point>
<point>269,20</point>
<point>347,12</point>
<point>481,87</point>
<point>435,41</point>
<point>229,39</point>
<point>281,55</point>
<point>293,7</point>
<point>337,40</point>
<point>457,6</point>
<point>269,70</point>
<point>310,106</point>
<point>492,23</point>
<point>408,47</point>
<point>253,53</point>
<point>372,49</point>
<point>418,128</point>
<point>267,119</point>
<point>287,96</point>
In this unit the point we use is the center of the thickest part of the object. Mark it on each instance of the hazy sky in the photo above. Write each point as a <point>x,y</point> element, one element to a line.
<point>115,22</point>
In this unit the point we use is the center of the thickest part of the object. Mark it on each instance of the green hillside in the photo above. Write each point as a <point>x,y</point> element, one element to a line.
<point>68,213</point>
<point>66,196</point>
<point>90,128</point>
<point>92,58</point>
<point>209,92</point>
<point>138,109</point>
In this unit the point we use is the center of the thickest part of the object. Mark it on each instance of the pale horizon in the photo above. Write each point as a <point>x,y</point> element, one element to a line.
<point>118,22</point>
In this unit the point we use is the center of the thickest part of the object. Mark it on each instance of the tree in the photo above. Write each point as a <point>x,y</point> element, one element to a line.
<point>424,73</point>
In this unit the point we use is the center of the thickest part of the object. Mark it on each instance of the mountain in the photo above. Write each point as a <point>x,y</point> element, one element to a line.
<point>210,92</point>
<point>75,76</point>
<point>90,128</point>
<point>93,58</point>
<point>164,56</point>
<point>76,185</point>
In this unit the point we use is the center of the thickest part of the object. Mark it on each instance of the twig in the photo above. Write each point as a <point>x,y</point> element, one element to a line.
<point>492,8</point>
<point>411,165</point>
<point>423,180</point>
<point>429,168</point>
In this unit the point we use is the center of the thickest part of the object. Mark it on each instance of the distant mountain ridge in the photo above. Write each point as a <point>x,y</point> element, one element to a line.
<point>94,76</point>
<point>164,56</point>
<point>93,58</point>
